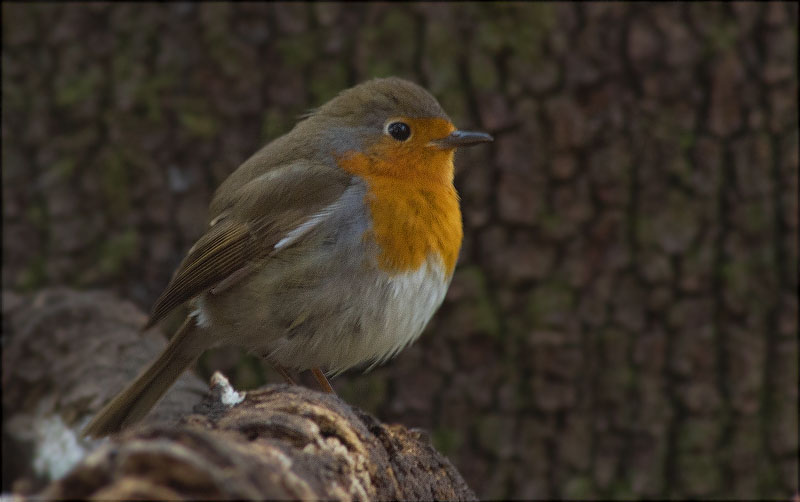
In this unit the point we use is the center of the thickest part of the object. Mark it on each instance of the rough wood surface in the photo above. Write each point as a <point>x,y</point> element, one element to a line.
<point>281,442</point>
<point>68,351</point>
<point>65,354</point>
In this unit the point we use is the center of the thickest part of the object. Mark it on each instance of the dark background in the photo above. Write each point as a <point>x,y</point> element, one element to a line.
<point>623,319</point>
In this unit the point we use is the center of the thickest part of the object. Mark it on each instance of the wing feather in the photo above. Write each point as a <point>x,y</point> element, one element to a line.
<point>226,248</point>
<point>269,209</point>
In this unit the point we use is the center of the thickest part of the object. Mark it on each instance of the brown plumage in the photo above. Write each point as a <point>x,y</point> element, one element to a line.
<point>330,247</point>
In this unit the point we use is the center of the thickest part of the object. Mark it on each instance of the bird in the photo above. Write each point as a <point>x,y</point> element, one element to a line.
<point>329,248</point>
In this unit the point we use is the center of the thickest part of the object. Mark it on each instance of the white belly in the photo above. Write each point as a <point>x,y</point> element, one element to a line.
<point>328,305</point>
<point>376,319</point>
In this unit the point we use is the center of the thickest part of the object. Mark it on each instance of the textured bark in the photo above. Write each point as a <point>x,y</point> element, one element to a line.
<point>65,354</point>
<point>623,320</point>
<point>282,442</point>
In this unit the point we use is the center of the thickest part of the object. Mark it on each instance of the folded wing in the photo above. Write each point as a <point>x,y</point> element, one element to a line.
<point>270,213</point>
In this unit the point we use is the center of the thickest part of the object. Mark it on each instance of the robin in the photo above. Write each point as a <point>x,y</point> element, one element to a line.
<point>329,248</point>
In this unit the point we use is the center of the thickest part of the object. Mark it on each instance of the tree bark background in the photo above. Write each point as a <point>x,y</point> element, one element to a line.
<point>623,318</point>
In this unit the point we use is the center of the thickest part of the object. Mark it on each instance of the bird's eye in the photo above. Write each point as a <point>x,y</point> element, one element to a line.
<point>399,131</point>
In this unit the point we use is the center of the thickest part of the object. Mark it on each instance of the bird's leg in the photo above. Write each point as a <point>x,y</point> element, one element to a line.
<point>323,382</point>
<point>284,373</point>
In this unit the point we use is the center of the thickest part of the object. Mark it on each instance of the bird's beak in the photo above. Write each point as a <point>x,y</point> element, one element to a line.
<point>461,138</point>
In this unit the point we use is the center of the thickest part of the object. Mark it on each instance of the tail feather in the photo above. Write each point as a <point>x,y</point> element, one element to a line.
<point>133,403</point>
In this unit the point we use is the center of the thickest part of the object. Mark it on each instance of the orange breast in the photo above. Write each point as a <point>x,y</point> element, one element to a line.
<point>413,204</point>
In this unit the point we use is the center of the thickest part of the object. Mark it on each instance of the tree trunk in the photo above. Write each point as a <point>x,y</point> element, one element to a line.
<point>623,319</point>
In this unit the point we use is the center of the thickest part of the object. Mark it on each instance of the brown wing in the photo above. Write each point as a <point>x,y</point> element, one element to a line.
<point>226,248</point>
<point>258,216</point>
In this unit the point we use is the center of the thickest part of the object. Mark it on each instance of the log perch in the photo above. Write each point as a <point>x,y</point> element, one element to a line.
<point>281,442</point>
<point>277,442</point>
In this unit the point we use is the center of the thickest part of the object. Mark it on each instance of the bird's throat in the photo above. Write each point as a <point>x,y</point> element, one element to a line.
<point>413,216</point>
